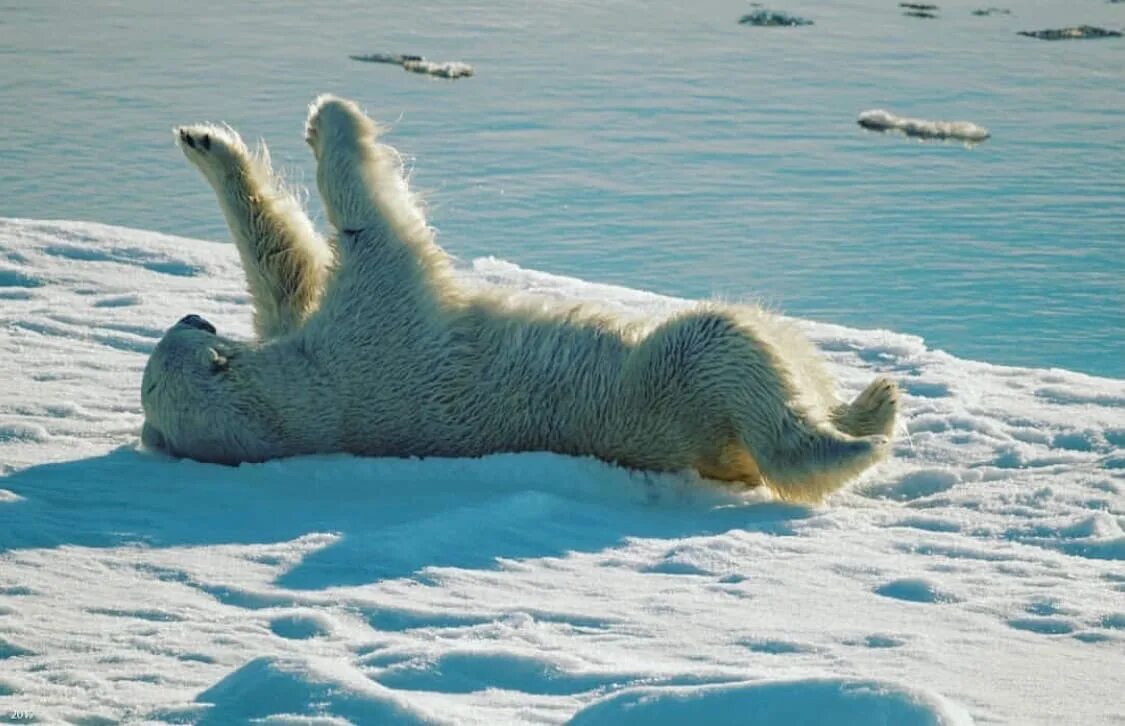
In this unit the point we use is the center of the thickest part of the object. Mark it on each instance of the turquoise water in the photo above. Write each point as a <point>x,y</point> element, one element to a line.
<point>665,148</point>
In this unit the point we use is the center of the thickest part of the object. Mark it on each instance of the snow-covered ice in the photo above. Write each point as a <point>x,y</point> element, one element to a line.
<point>418,64</point>
<point>879,120</point>
<point>976,577</point>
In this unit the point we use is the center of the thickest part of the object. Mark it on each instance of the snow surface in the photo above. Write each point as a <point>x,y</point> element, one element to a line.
<point>976,577</point>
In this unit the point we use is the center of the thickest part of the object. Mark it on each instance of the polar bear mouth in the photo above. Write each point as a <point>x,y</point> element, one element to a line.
<point>197,322</point>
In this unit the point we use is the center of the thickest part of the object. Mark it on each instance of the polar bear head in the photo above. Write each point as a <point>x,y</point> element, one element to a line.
<point>199,403</point>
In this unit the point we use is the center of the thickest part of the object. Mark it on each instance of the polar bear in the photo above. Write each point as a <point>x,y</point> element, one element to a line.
<point>367,344</point>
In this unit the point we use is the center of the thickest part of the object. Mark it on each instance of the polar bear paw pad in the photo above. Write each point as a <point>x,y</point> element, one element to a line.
<point>210,144</point>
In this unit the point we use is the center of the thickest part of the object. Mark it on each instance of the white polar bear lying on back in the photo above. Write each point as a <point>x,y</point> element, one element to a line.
<point>368,345</point>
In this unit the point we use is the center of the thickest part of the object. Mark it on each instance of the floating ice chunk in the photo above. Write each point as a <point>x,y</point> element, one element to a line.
<point>880,120</point>
<point>1076,32</point>
<point>772,19</point>
<point>418,64</point>
<point>446,69</point>
<point>984,12</point>
<point>394,59</point>
<point>919,10</point>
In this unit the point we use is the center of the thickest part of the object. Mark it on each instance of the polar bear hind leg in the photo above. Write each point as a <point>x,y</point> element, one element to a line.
<point>365,193</point>
<point>735,398</point>
<point>285,261</point>
<point>813,460</point>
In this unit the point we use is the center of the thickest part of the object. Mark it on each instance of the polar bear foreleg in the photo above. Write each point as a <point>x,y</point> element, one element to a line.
<point>286,263</point>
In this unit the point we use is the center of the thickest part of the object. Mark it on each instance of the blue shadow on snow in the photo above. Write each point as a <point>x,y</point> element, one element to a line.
<point>392,517</point>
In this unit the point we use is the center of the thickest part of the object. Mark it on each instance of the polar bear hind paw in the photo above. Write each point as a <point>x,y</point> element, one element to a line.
<point>332,119</point>
<point>872,412</point>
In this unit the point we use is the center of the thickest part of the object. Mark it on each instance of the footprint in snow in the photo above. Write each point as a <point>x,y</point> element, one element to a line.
<point>298,627</point>
<point>1043,625</point>
<point>915,589</point>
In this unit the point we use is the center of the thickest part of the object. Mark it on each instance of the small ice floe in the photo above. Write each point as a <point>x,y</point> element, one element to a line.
<point>445,69</point>
<point>1077,32</point>
<point>772,19</point>
<point>418,64</point>
<point>880,120</point>
<point>992,11</point>
<point>919,10</point>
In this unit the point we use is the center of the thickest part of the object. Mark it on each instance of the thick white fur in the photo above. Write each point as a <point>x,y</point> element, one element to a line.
<point>398,360</point>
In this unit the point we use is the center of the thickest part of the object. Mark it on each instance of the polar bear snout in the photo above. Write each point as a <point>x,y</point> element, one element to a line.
<point>197,322</point>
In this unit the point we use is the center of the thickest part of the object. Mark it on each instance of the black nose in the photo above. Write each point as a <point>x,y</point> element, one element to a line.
<point>195,321</point>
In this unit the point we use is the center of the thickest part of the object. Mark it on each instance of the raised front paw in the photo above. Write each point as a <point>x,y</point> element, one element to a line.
<point>186,137</point>
<point>214,149</point>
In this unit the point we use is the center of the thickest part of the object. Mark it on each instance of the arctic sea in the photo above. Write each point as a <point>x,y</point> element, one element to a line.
<point>660,146</point>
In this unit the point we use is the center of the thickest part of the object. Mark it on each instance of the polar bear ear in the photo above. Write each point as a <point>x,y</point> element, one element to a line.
<point>219,362</point>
